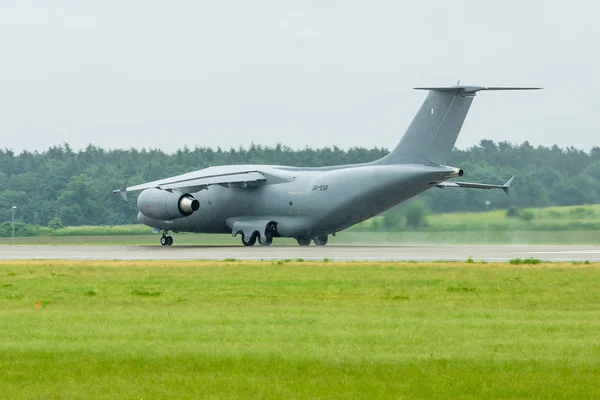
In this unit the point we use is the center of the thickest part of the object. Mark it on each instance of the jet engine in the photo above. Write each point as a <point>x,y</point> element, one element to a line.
<point>165,205</point>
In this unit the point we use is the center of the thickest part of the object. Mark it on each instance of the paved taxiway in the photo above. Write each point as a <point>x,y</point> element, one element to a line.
<point>333,253</point>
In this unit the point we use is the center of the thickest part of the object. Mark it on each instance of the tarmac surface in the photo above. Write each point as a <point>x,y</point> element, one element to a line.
<point>333,253</point>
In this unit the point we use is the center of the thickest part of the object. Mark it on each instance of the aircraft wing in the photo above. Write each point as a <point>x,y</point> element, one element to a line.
<point>196,181</point>
<point>456,184</point>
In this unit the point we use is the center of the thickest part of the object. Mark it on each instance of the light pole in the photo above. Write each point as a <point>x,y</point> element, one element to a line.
<point>13,224</point>
<point>487,204</point>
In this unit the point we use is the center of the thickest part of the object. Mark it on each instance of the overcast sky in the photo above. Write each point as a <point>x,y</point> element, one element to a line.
<point>121,74</point>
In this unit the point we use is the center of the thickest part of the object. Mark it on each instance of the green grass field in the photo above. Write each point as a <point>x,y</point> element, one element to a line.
<point>552,219</point>
<point>148,330</point>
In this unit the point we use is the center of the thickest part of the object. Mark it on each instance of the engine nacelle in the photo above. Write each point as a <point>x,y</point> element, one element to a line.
<point>164,205</point>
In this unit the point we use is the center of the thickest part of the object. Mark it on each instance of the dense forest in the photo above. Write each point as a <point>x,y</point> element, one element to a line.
<point>75,187</point>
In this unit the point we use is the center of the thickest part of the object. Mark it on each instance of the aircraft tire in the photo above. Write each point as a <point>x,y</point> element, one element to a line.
<point>321,240</point>
<point>248,241</point>
<point>267,242</point>
<point>303,241</point>
<point>164,241</point>
<point>169,240</point>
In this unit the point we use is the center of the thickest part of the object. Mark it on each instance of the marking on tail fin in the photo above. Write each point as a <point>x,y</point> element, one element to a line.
<point>435,159</point>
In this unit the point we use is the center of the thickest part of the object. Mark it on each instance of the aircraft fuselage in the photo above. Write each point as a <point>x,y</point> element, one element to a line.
<point>306,202</point>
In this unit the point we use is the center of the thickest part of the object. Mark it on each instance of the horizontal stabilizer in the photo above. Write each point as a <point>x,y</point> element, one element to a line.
<point>471,185</point>
<point>506,186</point>
<point>473,89</point>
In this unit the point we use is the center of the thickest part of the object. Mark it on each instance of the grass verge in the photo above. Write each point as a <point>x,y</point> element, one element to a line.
<point>298,330</point>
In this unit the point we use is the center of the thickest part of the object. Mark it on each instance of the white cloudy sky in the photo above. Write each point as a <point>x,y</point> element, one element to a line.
<point>159,74</point>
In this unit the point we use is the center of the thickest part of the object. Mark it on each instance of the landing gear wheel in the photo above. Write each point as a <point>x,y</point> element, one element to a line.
<point>248,240</point>
<point>267,240</point>
<point>321,240</point>
<point>164,241</point>
<point>169,240</point>
<point>303,241</point>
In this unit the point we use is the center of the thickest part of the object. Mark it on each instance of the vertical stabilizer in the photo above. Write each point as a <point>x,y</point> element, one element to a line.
<point>432,133</point>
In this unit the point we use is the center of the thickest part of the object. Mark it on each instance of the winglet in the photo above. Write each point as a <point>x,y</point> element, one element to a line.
<point>122,191</point>
<point>506,186</point>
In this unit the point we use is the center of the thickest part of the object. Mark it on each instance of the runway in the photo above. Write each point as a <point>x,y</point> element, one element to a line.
<point>333,253</point>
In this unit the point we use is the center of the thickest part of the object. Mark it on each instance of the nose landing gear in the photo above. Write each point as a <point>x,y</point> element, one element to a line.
<point>166,240</point>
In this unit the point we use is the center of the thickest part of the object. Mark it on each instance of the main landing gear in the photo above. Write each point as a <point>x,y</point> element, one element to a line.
<point>249,240</point>
<point>267,240</point>
<point>271,231</point>
<point>319,240</point>
<point>303,241</point>
<point>166,240</point>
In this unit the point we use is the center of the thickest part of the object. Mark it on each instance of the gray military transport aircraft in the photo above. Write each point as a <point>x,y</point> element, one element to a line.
<point>261,202</point>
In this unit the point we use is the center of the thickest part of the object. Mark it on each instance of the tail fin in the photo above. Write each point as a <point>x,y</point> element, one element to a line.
<point>432,134</point>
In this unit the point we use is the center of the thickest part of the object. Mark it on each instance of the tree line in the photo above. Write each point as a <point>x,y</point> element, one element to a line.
<point>68,187</point>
